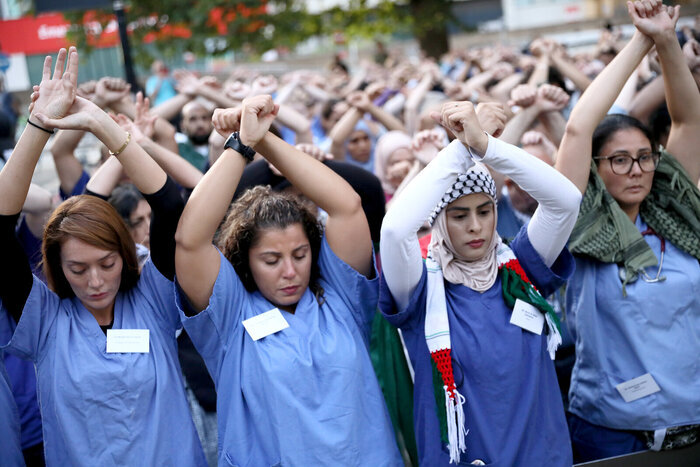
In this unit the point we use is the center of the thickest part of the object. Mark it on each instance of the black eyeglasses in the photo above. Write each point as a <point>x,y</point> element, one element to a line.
<point>621,162</point>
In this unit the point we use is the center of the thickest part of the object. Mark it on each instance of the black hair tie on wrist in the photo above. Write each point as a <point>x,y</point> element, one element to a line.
<point>40,127</point>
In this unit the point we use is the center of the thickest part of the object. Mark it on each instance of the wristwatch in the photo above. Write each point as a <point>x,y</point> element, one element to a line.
<point>234,142</point>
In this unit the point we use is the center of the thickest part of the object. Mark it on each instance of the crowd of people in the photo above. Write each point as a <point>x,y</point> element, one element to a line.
<point>492,259</point>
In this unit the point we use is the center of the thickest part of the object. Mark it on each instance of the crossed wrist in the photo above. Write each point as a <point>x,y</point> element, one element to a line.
<point>245,140</point>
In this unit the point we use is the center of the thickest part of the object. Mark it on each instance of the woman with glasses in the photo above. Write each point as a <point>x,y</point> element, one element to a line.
<point>635,295</point>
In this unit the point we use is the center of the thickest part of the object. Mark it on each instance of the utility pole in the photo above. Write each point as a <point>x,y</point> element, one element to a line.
<point>118,7</point>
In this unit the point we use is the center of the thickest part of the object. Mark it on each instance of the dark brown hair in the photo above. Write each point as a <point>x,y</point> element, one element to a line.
<point>610,125</point>
<point>258,209</point>
<point>93,221</point>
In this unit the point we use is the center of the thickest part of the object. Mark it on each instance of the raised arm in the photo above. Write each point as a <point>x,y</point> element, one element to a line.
<point>143,130</point>
<point>341,132</point>
<point>84,115</point>
<point>682,96</point>
<point>143,171</point>
<point>360,100</point>
<point>574,156</point>
<point>402,263</point>
<point>647,100</point>
<point>347,230</point>
<point>68,167</point>
<point>296,122</point>
<point>163,130</point>
<point>197,261</point>
<point>105,179</point>
<point>569,70</point>
<point>558,199</point>
<point>53,96</point>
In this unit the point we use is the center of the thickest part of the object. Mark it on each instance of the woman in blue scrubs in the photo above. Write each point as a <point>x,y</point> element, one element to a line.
<point>102,334</point>
<point>635,295</point>
<point>485,388</point>
<point>281,311</point>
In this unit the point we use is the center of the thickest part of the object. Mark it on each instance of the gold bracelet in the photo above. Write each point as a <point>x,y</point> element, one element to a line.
<point>126,143</point>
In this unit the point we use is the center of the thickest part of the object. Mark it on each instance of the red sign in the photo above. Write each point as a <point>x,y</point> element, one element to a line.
<point>47,33</point>
<point>34,35</point>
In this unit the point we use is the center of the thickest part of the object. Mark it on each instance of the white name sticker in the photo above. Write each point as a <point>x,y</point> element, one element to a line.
<point>637,388</point>
<point>265,324</point>
<point>128,340</point>
<point>527,317</point>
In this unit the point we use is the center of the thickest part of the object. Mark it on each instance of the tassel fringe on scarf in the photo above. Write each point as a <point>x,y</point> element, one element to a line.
<point>516,285</point>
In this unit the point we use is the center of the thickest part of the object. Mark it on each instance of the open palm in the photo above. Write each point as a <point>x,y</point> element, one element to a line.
<point>57,93</point>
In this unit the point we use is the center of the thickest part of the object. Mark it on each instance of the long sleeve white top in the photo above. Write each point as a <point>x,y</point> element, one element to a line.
<point>548,231</point>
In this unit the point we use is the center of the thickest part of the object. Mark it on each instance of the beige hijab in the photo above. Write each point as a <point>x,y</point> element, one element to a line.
<point>480,274</point>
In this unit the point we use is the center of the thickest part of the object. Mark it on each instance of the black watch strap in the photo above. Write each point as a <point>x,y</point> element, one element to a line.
<point>234,142</point>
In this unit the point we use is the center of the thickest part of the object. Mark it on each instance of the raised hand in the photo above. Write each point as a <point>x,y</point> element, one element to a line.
<point>264,85</point>
<point>458,91</point>
<point>502,70</point>
<point>551,98</point>
<point>691,52</point>
<point>313,151</point>
<point>256,117</point>
<point>226,121</point>
<point>536,138</point>
<point>186,83</point>
<point>144,121</point>
<point>460,118</point>
<point>539,47</point>
<point>87,89</point>
<point>376,88</point>
<point>237,90</point>
<point>426,144</point>
<point>110,90</point>
<point>652,18</point>
<point>81,115</point>
<point>397,172</point>
<point>523,95</point>
<point>359,100</point>
<point>492,117</point>
<point>56,94</point>
<point>128,125</point>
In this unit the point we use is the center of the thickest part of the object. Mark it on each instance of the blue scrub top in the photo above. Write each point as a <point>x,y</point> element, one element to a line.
<point>78,188</point>
<point>306,395</point>
<point>109,409</point>
<point>22,380</point>
<point>655,329</point>
<point>513,410</point>
<point>509,224</point>
<point>10,448</point>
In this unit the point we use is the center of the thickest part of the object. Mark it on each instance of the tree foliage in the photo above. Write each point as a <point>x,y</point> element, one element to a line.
<point>211,27</point>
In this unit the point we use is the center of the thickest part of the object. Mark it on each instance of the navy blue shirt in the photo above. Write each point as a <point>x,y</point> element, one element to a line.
<point>513,410</point>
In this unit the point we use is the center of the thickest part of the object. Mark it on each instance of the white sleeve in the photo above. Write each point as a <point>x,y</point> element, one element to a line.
<point>402,264</point>
<point>558,198</point>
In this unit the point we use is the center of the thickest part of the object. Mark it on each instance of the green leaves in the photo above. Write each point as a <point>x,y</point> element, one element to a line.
<point>213,27</point>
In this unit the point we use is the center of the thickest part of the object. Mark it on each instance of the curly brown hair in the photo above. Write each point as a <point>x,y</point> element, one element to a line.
<point>260,208</point>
